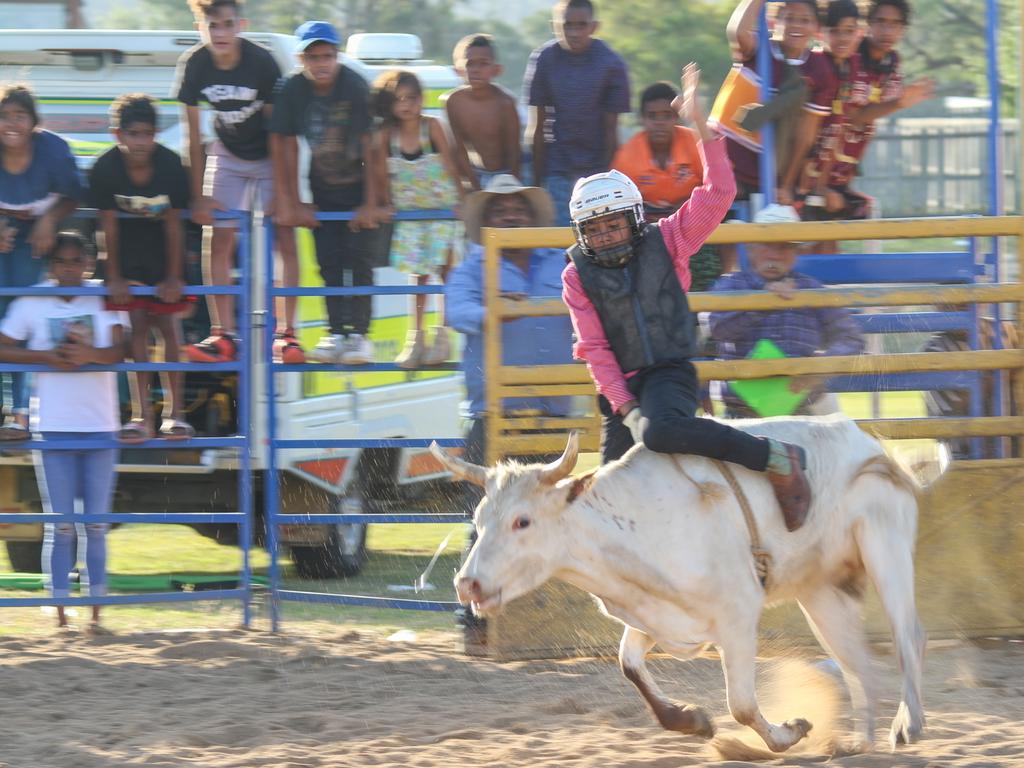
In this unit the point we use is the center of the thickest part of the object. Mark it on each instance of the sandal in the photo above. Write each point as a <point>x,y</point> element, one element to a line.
<point>134,432</point>
<point>13,432</point>
<point>175,429</point>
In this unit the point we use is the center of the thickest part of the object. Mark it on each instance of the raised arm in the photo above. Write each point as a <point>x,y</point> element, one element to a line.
<point>742,29</point>
<point>686,230</point>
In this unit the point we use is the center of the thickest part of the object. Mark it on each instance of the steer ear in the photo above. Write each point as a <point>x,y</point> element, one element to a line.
<point>463,470</point>
<point>561,468</point>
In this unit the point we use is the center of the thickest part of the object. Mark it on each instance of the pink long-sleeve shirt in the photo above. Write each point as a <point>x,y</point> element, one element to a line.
<point>684,232</point>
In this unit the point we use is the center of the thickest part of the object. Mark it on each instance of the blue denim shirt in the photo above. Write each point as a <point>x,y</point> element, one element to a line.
<point>526,341</point>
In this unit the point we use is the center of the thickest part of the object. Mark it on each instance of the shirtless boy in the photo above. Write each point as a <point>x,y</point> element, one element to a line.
<point>482,115</point>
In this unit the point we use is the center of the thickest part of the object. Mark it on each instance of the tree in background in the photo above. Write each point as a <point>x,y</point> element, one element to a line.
<point>657,37</point>
<point>947,41</point>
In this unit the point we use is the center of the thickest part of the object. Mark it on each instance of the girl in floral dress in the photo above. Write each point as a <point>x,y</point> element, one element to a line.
<point>415,171</point>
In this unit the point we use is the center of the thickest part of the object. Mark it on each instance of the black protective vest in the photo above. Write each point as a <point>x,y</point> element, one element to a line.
<point>642,306</point>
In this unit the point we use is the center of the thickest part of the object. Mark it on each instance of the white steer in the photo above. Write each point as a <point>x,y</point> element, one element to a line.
<point>662,542</point>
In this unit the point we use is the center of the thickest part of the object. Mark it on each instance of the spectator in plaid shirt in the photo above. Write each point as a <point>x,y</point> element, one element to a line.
<point>797,332</point>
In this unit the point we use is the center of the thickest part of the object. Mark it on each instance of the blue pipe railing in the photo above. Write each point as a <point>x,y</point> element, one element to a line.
<point>241,442</point>
<point>272,512</point>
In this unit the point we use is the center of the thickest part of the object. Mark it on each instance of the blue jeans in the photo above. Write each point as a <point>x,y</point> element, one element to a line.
<point>560,189</point>
<point>64,477</point>
<point>17,270</point>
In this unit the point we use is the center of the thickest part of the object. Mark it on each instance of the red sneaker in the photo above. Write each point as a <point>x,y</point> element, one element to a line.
<point>287,349</point>
<point>215,348</point>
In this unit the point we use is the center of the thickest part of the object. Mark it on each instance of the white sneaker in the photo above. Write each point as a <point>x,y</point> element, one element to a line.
<point>440,348</point>
<point>358,350</point>
<point>412,353</point>
<point>329,349</point>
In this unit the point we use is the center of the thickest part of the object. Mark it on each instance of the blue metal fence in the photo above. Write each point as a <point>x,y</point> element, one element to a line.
<point>272,511</point>
<point>243,517</point>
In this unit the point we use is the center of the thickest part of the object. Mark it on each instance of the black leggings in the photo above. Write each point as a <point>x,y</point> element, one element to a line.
<point>668,397</point>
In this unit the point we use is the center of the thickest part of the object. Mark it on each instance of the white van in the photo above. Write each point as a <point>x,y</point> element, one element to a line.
<point>75,74</point>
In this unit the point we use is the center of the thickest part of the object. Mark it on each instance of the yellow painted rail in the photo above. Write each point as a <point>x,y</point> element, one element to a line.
<point>883,429</point>
<point>542,379</point>
<point>815,298</point>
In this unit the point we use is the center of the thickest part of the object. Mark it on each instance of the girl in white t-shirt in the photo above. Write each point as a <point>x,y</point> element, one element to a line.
<point>67,332</point>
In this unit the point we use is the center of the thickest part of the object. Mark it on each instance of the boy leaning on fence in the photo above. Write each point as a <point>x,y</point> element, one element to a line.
<point>483,116</point>
<point>141,190</point>
<point>237,78</point>
<point>877,91</point>
<point>329,105</point>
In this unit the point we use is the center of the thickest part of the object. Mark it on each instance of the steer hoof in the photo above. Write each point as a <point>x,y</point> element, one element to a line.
<point>782,737</point>
<point>905,730</point>
<point>703,727</point>
<point>690,720</point>
<point>800,725</point>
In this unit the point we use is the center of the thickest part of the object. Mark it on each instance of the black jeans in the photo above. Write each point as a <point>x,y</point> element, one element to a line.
<point>668,397</point>
<point>346,259</point>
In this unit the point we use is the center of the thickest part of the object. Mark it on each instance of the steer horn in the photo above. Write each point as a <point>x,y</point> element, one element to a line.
<point>464,470</point>
<point>562,467</point>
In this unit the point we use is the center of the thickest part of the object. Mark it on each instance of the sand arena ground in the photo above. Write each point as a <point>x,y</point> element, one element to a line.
<point>324,698</point>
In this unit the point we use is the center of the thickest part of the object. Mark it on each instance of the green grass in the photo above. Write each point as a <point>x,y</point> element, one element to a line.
<point>398,555</point>
<point>913,245</point>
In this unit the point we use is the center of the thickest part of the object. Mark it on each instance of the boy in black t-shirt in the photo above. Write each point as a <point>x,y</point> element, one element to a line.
<point>328,104</point>
<point>237,78</point>
<point>140,177</point>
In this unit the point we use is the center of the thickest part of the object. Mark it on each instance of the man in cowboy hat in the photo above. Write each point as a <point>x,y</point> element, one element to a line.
<point>524,273</point>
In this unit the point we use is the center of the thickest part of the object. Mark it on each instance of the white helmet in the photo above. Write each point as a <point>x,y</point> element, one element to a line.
<point>600,195</point>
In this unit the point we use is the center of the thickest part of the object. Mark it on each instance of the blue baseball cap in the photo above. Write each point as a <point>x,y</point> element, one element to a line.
<point>316,32</point>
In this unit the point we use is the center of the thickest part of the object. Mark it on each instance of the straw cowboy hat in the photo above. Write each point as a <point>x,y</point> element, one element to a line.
<point>506,184</point>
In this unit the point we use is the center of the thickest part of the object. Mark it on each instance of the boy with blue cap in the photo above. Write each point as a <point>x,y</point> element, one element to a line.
<point>328,104</point>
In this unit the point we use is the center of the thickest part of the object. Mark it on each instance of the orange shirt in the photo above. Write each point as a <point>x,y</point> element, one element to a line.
<point>671,186</point>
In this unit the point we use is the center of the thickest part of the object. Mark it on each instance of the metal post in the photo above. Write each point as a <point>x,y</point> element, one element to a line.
<point>995,144</point>
<point>271,502</point>
<point>766,160</point>
<point>492,345</point>
<point>995,184</point>
<point>245,422</point>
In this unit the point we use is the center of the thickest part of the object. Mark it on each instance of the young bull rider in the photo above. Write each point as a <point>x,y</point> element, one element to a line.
<point>626,292</point>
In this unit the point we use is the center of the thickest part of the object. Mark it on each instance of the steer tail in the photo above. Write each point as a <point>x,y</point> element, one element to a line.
<point>890,468</point>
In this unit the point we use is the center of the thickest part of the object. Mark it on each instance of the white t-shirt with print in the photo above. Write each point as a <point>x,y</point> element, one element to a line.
<point>75,401</point>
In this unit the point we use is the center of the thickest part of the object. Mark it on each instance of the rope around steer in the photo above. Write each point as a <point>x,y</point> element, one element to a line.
<point>762,557</point>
